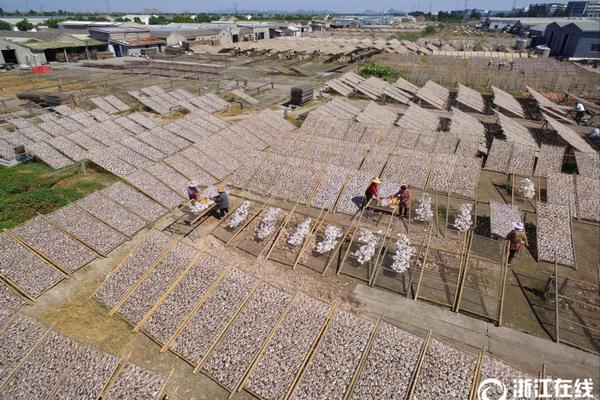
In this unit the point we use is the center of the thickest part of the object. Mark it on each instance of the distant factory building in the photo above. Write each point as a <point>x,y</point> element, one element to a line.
<point>574,40</point>
<point>588,9</point>
<point>128,41</point>
<point>50,45</point>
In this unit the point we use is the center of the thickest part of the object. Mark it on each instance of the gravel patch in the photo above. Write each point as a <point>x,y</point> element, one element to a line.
<point>132,268</point>
<point>446,373</point>
<point>276,370</point>
<point>88,229</point>
<point>389,367</point>
<point>42,370</point>
<point>162,276</point>
<point>16,341</point>
<point>328,375</point>
<point>29,272</point>
<point>135,201</point>
<point>89,374</point>
<point>112,214</point>
<point>236,350</point>
<point>202,329</point>
<point>56,245</point>
<point>181,301</point>
<point>135,382</point>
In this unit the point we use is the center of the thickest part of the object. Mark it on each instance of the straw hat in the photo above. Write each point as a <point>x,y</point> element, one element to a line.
<point>192,184</point>
<point>220,190</point>
<point>518,226</point>
<point>376,180</point>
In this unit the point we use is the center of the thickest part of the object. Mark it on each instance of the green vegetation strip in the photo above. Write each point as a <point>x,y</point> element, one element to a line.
<point>31,188</point>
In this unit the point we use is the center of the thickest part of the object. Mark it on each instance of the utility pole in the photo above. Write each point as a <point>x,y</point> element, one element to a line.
<point>235,7</point>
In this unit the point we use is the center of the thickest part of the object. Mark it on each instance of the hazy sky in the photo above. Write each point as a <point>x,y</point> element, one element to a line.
<point>210,5</point>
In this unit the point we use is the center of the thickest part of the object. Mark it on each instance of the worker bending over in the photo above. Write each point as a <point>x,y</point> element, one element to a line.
<point>579,112</point>
<point>516,239</point>
<point>222,201</point>
<point>372,192</point>
<point>403,197</point>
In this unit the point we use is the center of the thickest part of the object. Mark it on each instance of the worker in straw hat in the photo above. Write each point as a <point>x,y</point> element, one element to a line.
<point>222,201</point>
<point>404,195</point>
<point>192,190</point>
<point>372,192</point>
<point>516,239</point>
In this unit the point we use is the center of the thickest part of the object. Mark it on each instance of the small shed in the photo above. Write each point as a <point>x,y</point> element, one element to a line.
<point>575,40</point>
<point>128,41</point>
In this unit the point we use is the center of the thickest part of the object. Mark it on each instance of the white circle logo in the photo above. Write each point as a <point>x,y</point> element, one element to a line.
<point>491,384</point>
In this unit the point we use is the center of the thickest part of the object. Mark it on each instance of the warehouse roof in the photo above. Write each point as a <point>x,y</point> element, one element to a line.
<point>66,41</point>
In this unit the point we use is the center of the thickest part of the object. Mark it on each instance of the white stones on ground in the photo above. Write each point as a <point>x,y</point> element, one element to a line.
<point>446,373</point>
<point>204,326</point>
<point>463,219</point>
<point>403,254</point>
<point>42,370</point>
<point>267,223</point>
<point>330,371</point>
<point>329,242</point>
<point>180,302</point>
<point>369,242</point>
<point>56,245</point>
<point>16,341</point>
<point>135,382</point>
<point>132,268</point>
<point>162,276</point>
<point>88,375</point>
<point>23,268</point>
<point>389,367</point>
<point>302,230</point>
<point>88,229</point>
<point>423,212</point>
<point>289,347</point>
<point>236,350</point>
<point>239,216</point>
<point>526,188</point>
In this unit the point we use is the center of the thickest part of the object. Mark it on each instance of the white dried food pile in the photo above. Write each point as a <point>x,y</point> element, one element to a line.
<point>463,220</point>
<point>332,234</point>
<point>267,223</point>
<point>526,188</point>
<point>302,230</point>
<point>198,207</point>
<point>404,252</point>
<point>424,211</point>
<point>367,250</point>
<point>239,215</point>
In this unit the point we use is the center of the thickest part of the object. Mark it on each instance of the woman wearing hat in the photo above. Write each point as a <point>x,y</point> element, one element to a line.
<point>516,238</point>
<point>372,192</point>
<point>192,190</point>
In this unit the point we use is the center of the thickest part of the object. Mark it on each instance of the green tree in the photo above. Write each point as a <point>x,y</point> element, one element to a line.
<point>24,25</point>
<point>53,23</point>
<point>122,19</point>
<point>160,20</point>
<point>137,20</point>
<point>5,26</point>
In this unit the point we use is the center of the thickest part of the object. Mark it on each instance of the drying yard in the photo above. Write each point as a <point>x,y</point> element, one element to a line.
<point>132,292</point>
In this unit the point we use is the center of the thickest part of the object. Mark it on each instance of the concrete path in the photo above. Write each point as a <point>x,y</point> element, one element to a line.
<point>516,348</point>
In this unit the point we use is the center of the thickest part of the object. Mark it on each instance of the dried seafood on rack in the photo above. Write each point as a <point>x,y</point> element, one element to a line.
<point>404,252</point>
<point>424,211</point>
<point>267,223</point>
<point>332,233</point>
<point>365,252</point>
<point>302,230</point>
<point>463,220</point>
